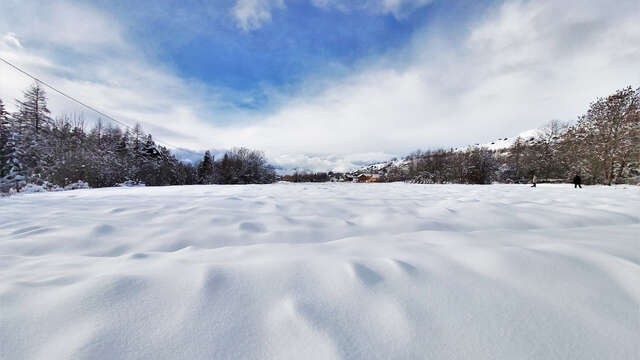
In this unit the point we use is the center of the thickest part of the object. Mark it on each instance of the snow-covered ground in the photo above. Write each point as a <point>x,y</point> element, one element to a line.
<point>322,271</point>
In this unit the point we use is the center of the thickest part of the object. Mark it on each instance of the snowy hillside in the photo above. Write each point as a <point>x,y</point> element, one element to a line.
<point>323,271</point>
<point>504,143</point>
<point>289,164</point>
<point>498,144</point>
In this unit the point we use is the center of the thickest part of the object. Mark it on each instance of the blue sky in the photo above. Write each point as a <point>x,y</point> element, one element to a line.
<point>324,84</point>
<point>300,39</point>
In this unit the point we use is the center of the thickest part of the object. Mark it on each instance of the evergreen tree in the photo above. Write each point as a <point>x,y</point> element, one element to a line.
<point>37,149</point>
<point>205,169</point>
<point>12,176</point>
<point>137,135</point>
<point>4,116</point>
<point>148,163</point>
<point>149,148</point>
<point>122,149</point>
<point>9,164</point>
<point>33,113</point>
<point>5,135</point>
<point>33,122</point>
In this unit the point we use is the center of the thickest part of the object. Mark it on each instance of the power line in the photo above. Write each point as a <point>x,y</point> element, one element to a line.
<point>78,101</point>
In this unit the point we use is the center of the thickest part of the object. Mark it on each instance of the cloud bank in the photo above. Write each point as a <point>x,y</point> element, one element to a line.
<point>510,67</point>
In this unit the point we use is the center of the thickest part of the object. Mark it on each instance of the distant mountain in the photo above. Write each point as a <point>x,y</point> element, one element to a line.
<point>354,164</point>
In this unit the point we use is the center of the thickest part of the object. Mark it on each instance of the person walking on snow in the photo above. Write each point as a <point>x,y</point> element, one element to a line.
<point>534,181</point>
<point>577,181</point>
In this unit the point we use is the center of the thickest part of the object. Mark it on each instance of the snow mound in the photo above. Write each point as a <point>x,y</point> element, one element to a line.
<point>130,183</point>
<point>321,271</point>
<point>33,188</point>
<point>77,186</point>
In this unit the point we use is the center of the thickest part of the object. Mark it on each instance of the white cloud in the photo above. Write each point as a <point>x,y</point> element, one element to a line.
<point>519,66</point>
<point>508,69</point>
<point>60,23</point>
<point>251,14</point>
<point>401,8</point>
<point>96,64</point>
<point>326,162</point>
<point>11,40</point>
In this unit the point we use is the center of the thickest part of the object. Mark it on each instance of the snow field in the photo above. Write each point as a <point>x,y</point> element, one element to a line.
<point>321,271</point>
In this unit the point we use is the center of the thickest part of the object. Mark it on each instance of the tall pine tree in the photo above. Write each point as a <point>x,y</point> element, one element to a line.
<point>5,134</point>
<point>11,169</point>
<point>205,169</point>
<point>33,122</point>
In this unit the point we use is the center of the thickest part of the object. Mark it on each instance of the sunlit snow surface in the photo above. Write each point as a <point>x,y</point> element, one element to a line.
<point>322,271</point>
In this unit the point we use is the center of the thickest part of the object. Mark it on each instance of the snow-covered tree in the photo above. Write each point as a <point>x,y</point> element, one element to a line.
<point>12,176</point>
<point>205,169</point>
<point>33,121</point>
<point>10,167</point>
<point>33,113</point>
<point>5,135</point>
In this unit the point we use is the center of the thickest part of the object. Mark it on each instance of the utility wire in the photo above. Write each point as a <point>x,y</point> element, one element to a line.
<point>78,101</point>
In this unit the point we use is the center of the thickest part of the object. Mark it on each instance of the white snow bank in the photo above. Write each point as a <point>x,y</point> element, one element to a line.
<point>77,186</point>
<point>47,186</point>
<point>130,183</point>
<point>32,188</point>
<point>321,271</point>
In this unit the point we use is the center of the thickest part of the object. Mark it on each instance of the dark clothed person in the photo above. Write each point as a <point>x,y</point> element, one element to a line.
<point>577,182</point>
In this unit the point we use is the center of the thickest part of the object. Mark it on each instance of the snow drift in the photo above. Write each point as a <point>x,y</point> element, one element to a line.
<point>358,271</point>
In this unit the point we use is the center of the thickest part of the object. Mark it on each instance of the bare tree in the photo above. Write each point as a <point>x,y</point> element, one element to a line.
<point>609,133</point>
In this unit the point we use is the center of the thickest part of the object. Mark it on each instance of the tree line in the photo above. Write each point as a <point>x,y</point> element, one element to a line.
<point>237,166</point>
<point>603,147</point>
<point>38,149</point>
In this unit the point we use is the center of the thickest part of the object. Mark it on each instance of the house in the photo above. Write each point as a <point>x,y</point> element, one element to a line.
<point>367,178</point>
<point>374,178</point>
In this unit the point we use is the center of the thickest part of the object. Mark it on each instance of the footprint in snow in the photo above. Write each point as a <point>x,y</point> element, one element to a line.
<point>103,229</point>
<point>253,227</point>
<point>28,231</point>
<point>24,230</point>
<point>366,275</point>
